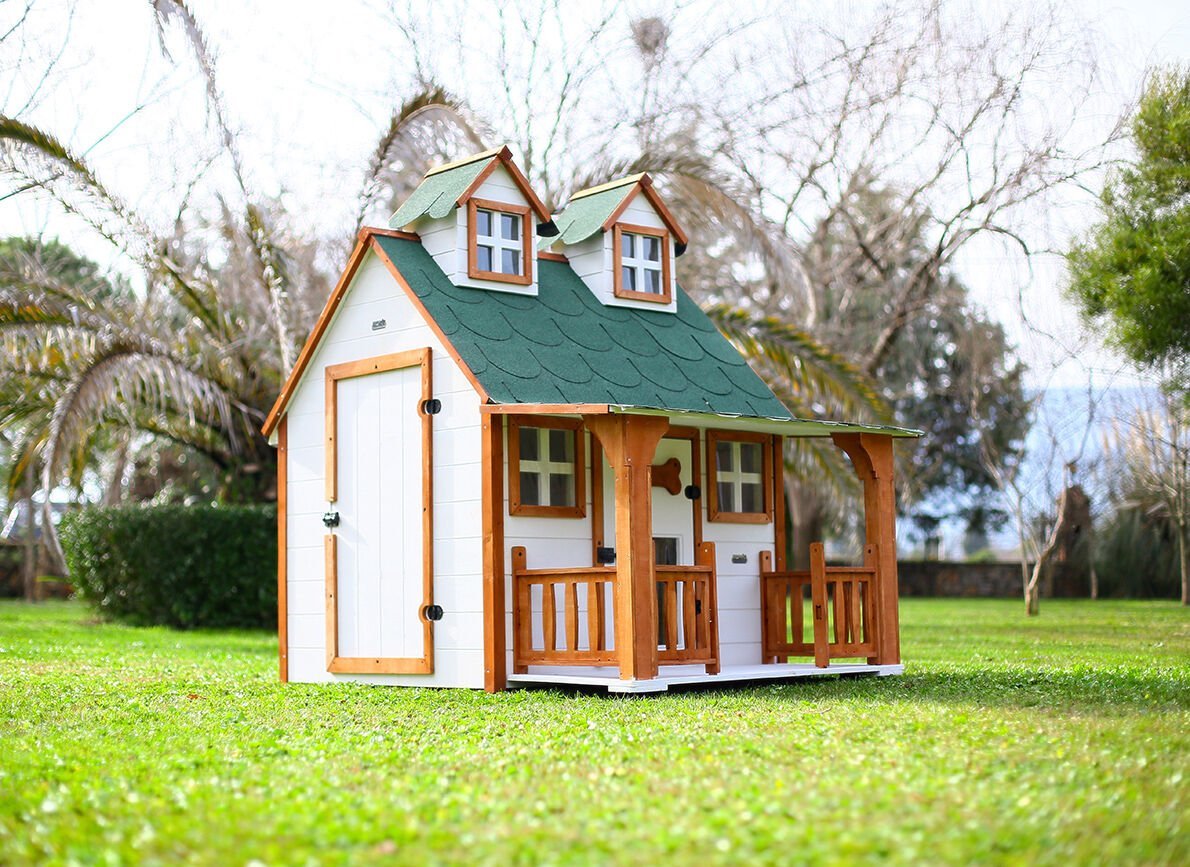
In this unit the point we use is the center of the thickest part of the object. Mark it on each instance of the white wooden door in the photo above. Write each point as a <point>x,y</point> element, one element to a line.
<point>673,514</point>
<point>382,583</point>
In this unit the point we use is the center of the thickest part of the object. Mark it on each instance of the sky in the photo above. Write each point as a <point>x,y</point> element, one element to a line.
<point>311,89</point>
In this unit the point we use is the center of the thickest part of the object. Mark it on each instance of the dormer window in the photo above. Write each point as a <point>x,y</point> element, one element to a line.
<point>496,245</point>
<point>641,263</point>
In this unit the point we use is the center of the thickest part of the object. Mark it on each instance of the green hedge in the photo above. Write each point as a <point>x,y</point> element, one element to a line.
<point>179,566</point>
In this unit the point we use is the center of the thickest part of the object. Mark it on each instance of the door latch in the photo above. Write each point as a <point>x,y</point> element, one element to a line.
<point>330,519</point>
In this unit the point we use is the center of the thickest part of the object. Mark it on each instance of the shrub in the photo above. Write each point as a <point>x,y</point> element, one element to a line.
<point>179,566</point>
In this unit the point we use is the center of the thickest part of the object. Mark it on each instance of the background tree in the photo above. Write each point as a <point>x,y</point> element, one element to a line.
<point>1132,271</point>
<point>865,157</point>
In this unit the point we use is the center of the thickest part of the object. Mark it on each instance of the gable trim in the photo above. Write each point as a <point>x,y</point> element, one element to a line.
<point>645,185</point>
<point>504,157</point>
<point>366,240</point>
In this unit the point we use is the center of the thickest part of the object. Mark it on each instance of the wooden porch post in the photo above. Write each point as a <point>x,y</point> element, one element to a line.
<point>872,457</point>
<point>495,662</point>
<point>630,442</point>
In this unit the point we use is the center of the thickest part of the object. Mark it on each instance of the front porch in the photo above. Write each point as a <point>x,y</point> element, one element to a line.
<point>643,618</point>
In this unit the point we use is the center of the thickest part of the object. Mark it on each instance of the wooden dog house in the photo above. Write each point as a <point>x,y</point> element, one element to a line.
<point>514,451</point>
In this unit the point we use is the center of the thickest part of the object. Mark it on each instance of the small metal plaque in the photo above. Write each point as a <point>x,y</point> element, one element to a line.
<point>739,558</point>
<point>379,324</point>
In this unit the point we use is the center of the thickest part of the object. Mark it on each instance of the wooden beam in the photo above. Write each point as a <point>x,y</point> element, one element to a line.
<point>495,675</point>
<point>780,543</point>
<point>872,457</point>
<point>543,408</point>
<point>630,443</point>
<point>283,548</point>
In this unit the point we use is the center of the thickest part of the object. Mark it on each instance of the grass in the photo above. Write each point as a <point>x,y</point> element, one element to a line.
<point>1064,739</point>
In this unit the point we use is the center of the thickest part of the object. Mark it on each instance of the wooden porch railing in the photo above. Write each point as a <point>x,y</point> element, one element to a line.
<point>687,628</point>
<point>588,597</point>
<point>841,609</point>
<point>567,616</point>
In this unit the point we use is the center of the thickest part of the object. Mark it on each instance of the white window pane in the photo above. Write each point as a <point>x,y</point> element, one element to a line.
<point>653,281</point>
<point>724,461</point>
<point>652,248</point>
<point>483,258</point>
<point>529,444</point>
<point>628,278</point>
<point>752,497</point>
<point>562,446</point>
<point>561,489</point>
<point>750,460</point>
<point>530,489</point>
<point>510,227</point>
<point>726,497</point>
<point>628,245</point>
<point>510,261</point>
<point>483,223</point>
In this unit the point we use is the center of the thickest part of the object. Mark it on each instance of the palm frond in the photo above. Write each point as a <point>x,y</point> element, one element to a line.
<point>809,373</point>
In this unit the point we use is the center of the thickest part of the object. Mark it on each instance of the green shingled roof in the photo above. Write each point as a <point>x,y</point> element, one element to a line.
<point>564,346</point>
<point>438,193</point>
<point>588,210</point>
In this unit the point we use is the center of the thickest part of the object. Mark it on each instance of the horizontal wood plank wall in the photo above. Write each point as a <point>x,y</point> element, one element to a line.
<point>283,549</point>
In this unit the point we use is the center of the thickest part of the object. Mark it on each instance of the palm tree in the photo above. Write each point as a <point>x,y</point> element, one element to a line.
<point>198,358</point>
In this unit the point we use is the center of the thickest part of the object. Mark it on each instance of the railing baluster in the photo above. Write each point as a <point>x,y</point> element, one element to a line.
<point>594,615</point>
<point>549,616</point>
<point>853,591</point>
<point>671,614</point>
<point>689,633</point>
<point>571,619</point>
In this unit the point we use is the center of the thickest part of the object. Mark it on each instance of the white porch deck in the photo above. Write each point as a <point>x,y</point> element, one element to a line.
<point>608,677</point>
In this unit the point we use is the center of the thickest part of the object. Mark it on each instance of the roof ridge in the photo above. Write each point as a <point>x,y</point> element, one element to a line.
<point>608,185</point>
<point>465,161</point>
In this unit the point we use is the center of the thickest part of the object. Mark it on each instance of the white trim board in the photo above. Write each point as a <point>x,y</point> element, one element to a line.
<point>609,678</point>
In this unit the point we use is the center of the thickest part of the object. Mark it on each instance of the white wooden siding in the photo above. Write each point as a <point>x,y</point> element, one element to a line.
<point>458,637</point>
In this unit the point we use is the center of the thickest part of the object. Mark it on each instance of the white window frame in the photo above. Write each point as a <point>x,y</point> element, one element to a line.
<point>498,243</point>
<point>639,265</point>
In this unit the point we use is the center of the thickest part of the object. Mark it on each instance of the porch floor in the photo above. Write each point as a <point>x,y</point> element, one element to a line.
<point>682,675</point>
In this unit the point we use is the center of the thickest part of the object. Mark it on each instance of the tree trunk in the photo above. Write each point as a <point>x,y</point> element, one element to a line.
<point>115,486</point>
<point>1184,552</point>
<point>805,523</point>
<point>1094,582</point>
<point>29,560</point>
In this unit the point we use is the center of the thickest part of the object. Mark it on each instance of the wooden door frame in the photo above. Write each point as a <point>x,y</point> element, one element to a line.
<point>423,664</point>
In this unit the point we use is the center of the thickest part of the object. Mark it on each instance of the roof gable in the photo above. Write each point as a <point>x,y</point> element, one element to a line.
<point>449,186</point>
<point>597,208</point>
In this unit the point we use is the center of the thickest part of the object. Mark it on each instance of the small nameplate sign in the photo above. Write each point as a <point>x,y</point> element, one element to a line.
<point>379,324</point>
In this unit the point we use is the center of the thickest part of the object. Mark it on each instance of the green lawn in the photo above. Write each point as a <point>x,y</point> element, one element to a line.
<point>1061,740</point>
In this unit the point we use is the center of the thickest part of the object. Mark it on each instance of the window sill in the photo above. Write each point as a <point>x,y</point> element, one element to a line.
<point>520,511</point>
<point>740,517</point>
